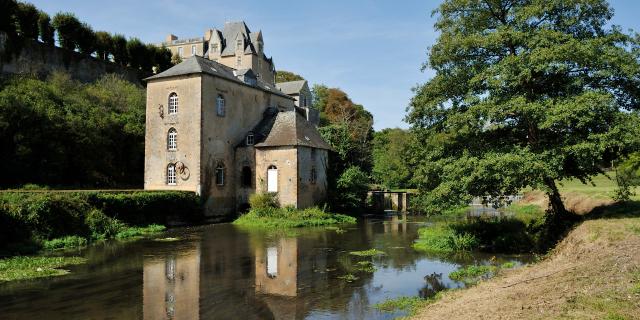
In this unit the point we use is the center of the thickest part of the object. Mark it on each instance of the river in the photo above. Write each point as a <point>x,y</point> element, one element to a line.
<point>222,272</point>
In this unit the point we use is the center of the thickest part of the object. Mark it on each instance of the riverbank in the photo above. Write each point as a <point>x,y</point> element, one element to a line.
<point>32,221</point>
<point>593,273</point>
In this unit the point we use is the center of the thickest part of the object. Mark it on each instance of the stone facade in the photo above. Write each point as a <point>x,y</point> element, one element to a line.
<point>224,150</point>
<point>234,46</point>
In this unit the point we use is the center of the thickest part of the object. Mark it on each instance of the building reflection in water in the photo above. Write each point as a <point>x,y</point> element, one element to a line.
<point>277,268</point>
<point>171,285</point>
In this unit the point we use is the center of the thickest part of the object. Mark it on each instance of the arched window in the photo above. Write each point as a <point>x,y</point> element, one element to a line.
<point>250,139</point>
<point>314,175</point>
<point>272,179</point>
<point>173,103</point>
<point>246,176</point>
<point>171,174</point>
<point>172,139</point>
<point>220,175</point>
<point>220,107</point>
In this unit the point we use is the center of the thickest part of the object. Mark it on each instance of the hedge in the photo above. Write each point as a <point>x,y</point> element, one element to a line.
<point>35,217</point>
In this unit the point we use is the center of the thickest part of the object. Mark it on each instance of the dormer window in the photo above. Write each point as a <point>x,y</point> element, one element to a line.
<point>239,60</point>
<point>239,44</point>
<point>214,47</point>
<point>250,139</point>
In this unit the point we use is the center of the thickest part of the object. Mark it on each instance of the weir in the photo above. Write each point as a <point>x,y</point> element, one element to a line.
<point>381,201</point>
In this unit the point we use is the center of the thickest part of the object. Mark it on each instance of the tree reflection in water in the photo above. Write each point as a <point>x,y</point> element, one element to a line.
<point>433,285</point>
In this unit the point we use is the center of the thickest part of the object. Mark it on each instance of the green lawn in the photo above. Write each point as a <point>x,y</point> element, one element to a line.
<point>602,187</point>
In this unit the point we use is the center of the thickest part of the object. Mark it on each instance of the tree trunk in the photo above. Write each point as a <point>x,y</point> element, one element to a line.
<point>555,200</point>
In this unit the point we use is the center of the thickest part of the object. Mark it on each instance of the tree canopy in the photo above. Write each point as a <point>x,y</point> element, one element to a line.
<point>526,93</point>
<point>286,76</point>
<point>389,151</point>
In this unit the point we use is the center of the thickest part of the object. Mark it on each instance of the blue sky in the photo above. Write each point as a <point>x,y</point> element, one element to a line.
<point>373,50</point>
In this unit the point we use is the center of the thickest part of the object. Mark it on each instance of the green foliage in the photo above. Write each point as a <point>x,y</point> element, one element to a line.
<point>271,218</point>
<point>408,304</point>
<point>264,200</point>
<point>104,45</point>
<point>365,266</point>
<point>286,76</point>
<point>133,232</point>
<point>441,237</point>
<point>86,39</point>
<point>390,167</point>
<point>27,16</point>
<point>67,26</point>
<point>119,49</point>
<point>67,242</point>
<point>348,277</point>
<point>41,217</point>
<point>8,25</point>
<point>472,274</point>
<point>351,190</point>
<point>367,253</point>
<point>163,59</point>
<point>21,268</point>
<point>521,97</point>
<point>99,130</point>
<point>46,29</point>
<point>136,52</point>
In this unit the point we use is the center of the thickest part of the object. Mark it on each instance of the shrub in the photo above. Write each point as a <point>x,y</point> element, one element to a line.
<point>101,226</point>
<point>472,274</point>
<point>264,200</point>
<point>443,238</point>
<point>282,218</point>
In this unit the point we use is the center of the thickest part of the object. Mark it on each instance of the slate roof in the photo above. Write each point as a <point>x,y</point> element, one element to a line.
<point>229,33</point>
<point>197,64</point>
<point>287,128</point>
<point>291,87</point>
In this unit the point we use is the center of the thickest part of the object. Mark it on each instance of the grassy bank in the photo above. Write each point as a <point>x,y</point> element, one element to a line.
<point>521,230</point>
<point>593,273</point>
<point>273,218</point>
<point>31,221</point>
<point>21,268</point>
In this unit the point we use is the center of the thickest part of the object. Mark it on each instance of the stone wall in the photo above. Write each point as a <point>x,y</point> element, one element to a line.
<point>40,60</point>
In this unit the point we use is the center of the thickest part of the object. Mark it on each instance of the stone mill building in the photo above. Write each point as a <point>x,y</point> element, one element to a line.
<point>219,126</point>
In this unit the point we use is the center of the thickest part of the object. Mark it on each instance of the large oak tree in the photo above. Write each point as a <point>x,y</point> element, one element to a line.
<point>526,93</point>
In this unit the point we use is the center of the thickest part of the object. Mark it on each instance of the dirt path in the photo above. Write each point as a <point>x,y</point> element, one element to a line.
<point>594,273</point>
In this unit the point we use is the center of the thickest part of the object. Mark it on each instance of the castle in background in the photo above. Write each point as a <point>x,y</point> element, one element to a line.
<point>218,125</point>
<point>235,46</point>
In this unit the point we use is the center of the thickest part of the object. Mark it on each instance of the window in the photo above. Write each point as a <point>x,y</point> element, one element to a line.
<point>238,60</point>
<point>173,103</point>
<point>214,47</point>
<point>193,50</point>
<point>220,107</point>
<point>239,44</point>
<point>172,139</point>
<point>220,175</point>
<point>250,139</point>
<point>314,175</point>
<point>171,174</point>
<point>272,179</point>
<point>180,52</point>
<point>246,176</point>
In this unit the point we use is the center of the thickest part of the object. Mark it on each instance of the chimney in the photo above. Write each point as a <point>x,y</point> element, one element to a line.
<point>171,37</point>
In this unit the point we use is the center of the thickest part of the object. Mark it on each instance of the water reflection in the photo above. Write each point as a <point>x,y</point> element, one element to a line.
<point>171,285</point>
<point>221,272</point>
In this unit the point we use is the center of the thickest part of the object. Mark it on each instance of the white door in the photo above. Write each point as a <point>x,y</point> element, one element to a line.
<point>272,179</point>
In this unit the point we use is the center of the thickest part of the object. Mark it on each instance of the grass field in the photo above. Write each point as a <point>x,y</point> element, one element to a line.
<point>602,188</point>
